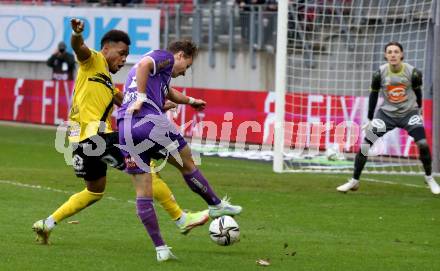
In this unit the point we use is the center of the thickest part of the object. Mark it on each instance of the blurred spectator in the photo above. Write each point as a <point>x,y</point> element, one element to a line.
<point>122,3</point>
<point>246,7</point>
<point>272,5</point>
<point>270,29</point>
<point>62,63</point>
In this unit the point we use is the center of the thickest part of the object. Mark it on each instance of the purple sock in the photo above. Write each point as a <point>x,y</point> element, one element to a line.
<point>200,185</point>
<point>146,213</point>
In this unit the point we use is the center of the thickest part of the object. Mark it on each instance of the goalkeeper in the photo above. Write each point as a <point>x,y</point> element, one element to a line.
<point>401,87</point>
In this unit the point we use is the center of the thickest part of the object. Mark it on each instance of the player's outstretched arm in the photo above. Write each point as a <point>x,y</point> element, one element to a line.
<point>374,94</point>
<point>176,96</point>
<point>144,68</point>
<point>118,98</point>
<point>76,40</point>
<point>372,100</point>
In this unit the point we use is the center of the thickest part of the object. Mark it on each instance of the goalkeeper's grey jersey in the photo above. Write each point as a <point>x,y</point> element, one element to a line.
<point>397,91</point>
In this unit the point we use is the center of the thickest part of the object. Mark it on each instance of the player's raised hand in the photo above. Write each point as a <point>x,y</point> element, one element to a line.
<point>198,104</point>
<point>77,41</point>
<point>77,25</point>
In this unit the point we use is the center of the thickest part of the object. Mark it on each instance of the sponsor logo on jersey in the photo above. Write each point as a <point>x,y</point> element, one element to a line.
<point>415,120</point>
<point>396,93</point>
<point>165,90</point>
<point>163,64</point>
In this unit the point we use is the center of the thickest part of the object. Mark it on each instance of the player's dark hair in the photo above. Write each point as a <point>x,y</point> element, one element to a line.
<point>188,48</point>
<point>115,36</point>
<point>395,43</point>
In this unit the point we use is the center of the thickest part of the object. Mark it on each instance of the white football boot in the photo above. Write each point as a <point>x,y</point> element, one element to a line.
<point>433,185</point>
<point>224,208</point>
<point>163,253</point>
<point>352,185</point>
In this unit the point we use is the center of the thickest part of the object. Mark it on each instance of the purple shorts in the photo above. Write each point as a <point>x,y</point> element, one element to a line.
<point>155,139</point>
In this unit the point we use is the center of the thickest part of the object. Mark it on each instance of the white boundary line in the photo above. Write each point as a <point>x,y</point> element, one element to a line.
<point>263,148</point>
<point>393,183</point>
<point>386,182</point>
<point>39,187</point>
<point>27,125</point>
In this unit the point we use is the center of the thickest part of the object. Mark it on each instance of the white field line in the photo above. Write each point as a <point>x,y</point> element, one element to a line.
<point>386,182</point>
<point>27,125</point>
<point>39,187</point>
<point>393,183</point>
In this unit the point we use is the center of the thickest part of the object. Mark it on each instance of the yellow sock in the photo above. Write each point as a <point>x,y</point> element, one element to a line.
<point>163,194</point>
<point>76,203</point>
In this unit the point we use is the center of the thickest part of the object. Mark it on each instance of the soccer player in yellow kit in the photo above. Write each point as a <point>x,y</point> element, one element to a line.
<point>92,137</point>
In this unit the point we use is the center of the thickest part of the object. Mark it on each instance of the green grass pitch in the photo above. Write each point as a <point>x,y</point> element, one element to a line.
<point>297,221</point>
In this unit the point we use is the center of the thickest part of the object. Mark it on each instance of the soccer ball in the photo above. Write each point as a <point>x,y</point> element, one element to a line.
<point>224,231</point>
<point>333,154</point>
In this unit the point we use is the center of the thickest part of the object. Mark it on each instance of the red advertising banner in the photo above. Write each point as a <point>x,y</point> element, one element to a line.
<point>313,120</point>
<point>35,101</point>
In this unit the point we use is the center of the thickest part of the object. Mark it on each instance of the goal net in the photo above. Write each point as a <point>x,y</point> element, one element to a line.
<point>327,51</point>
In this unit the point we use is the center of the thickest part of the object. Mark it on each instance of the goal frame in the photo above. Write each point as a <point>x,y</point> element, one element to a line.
<point>281,87</point>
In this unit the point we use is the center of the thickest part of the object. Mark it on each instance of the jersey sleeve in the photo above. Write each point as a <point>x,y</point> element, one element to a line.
<point>376,81</point>
<point>166,62</point>
<point>416,83</point>
<point>86,64</point>
<point>416,79</point>
<point>162,60</point>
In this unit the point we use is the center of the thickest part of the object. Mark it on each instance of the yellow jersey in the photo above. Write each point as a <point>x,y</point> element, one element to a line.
<point>92,99</point>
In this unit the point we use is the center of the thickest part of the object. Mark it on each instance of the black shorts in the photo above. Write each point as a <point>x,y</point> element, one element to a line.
<point>91,156</point>
<point>382,123</point>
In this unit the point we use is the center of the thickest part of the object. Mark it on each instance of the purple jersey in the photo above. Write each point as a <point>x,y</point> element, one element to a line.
<point>157,85</point>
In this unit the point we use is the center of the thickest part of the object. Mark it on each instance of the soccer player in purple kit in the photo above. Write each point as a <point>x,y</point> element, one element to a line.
<point>146,133</point>
<point>92,105</point>
<point>401,86</point>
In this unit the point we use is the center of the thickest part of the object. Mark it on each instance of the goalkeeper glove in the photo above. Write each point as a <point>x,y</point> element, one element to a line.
<point>366,126</point>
